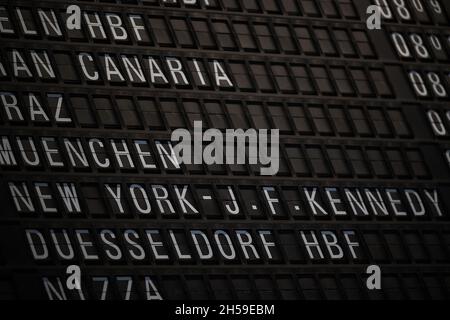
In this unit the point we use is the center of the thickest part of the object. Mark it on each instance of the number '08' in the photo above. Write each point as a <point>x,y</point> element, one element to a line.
<point>386,12</point>
<point>433,80</point>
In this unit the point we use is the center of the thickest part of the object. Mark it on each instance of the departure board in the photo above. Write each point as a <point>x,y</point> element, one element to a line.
<point>224,150</point>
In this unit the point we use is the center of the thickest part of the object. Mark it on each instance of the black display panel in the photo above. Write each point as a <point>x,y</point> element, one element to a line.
<point>90,178</point>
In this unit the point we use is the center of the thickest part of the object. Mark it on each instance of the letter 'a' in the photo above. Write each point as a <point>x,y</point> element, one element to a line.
<point>74,17</point>
<point>374,20</point>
